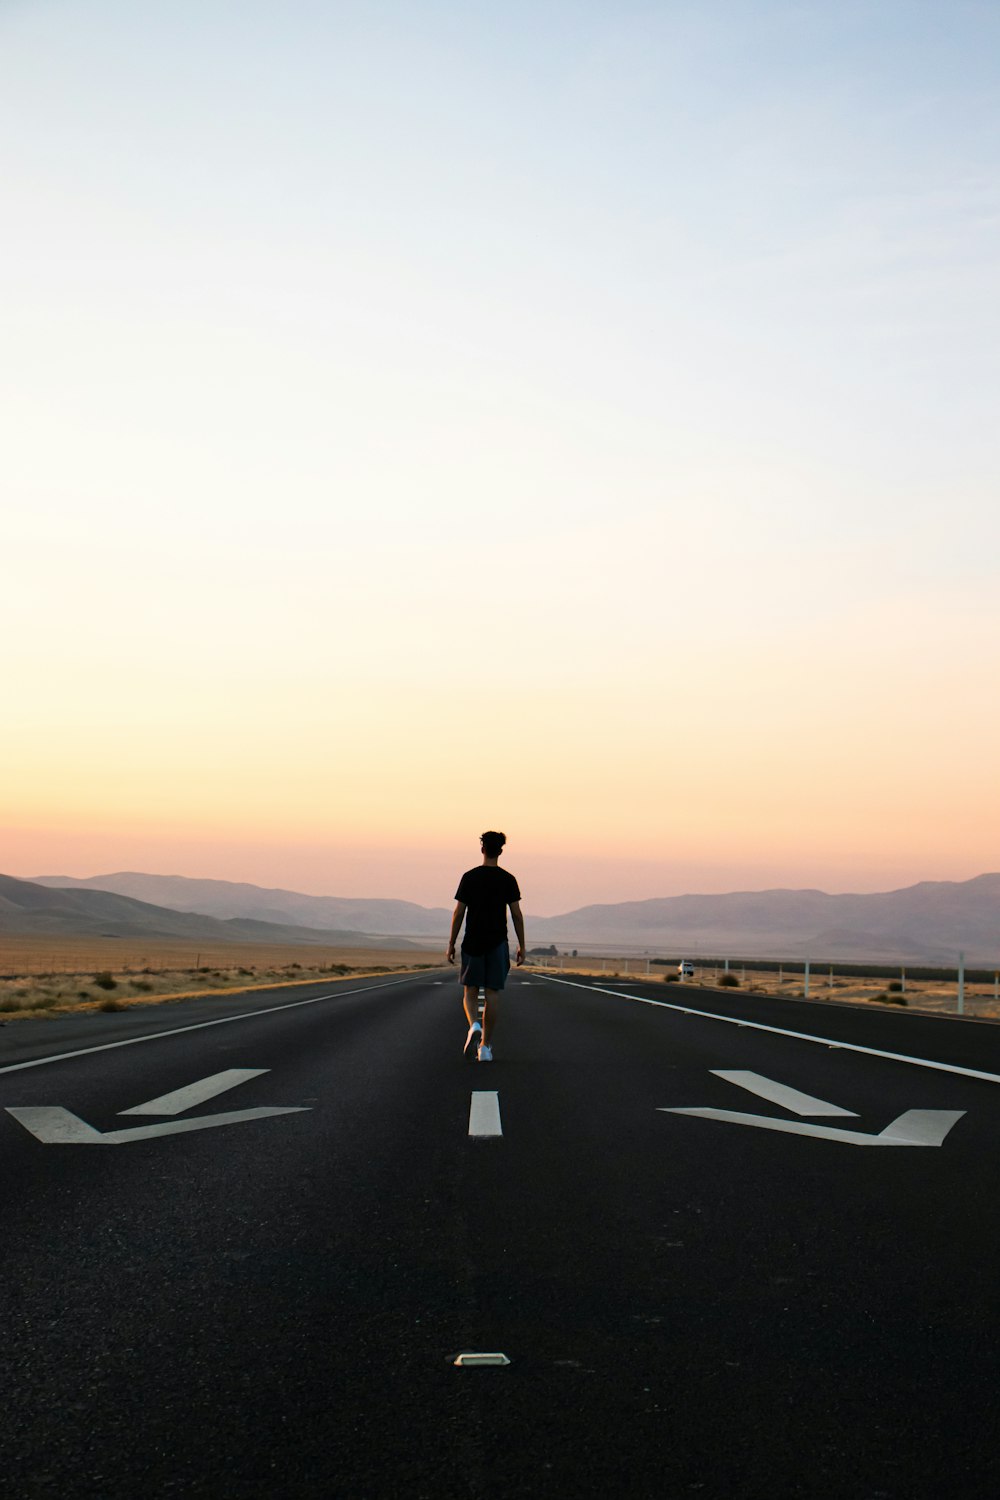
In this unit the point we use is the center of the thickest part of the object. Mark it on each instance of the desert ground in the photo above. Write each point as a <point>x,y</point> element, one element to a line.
<point>926,996</point>
<point>43,976</point>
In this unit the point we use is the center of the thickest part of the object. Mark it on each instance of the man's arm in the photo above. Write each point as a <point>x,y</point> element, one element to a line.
<point>456,927</point>
<point>515,911</point>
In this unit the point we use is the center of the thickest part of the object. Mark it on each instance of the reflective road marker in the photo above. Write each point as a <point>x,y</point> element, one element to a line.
<point>484,1115</point>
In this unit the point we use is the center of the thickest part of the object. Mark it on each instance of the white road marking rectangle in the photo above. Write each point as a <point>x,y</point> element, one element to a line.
<point>194,1093</point>
<point>484,1114</point>
<point>780,1093</point>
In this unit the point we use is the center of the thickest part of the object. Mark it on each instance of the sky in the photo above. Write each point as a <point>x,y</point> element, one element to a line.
<point>572,419</point>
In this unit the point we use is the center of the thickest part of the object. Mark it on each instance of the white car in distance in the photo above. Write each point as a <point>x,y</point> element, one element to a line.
<point>685,969</point>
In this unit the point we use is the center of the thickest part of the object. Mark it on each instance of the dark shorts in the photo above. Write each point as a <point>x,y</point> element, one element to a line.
<point>487,971</point>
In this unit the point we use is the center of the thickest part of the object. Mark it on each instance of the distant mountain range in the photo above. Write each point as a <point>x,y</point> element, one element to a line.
<point>226,900</point>
<point>930,922</point>
<point>28,906</point>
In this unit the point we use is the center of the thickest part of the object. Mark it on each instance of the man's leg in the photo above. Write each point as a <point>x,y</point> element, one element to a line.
<point>490,1014</point>
<point>470,1000</point>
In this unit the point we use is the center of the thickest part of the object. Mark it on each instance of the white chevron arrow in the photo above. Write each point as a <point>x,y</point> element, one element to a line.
<point>58,1127</point>
<point>914,1127</point>
<point>54,1126</point>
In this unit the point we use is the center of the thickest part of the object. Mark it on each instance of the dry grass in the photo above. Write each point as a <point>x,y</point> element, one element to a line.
<point>925,996</point>
<point>55,976</point>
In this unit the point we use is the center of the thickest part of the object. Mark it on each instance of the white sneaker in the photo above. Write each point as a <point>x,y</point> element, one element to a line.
<point>485,1053</point>
<point>472,1040</point>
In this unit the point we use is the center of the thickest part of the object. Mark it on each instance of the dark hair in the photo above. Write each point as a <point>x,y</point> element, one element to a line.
<point>492,843</point>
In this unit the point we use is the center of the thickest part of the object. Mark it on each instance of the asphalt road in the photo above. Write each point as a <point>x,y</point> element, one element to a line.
<point>691,1305</point>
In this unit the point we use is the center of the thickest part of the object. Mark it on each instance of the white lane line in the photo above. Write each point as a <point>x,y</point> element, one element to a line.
<point>194,1093</point>
<point>246,1015</point>
<point>799,1036</point>
<point>484,1114</point>
<point>780,1093</point>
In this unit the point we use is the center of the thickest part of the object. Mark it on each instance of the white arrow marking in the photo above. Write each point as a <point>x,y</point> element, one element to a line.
<point>195,1093</point>
<point>57,1127</point>
<point>780,1093</point>
<point>915,1127</point>
<point>484,1115</point>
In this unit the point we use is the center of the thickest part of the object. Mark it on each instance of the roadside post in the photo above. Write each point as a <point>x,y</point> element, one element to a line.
<point>805,982</point>
<point>961,984</point>
<point>902,980</point>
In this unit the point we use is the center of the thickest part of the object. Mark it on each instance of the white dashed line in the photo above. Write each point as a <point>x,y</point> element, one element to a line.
<point>484,1115</point>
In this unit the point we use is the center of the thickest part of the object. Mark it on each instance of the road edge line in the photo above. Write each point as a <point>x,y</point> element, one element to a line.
<point>800,1036</point>
<point>156,1036</point>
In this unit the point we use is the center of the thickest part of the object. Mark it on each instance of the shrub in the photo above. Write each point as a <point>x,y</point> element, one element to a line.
<point>728,981</point>
<point>143,985</point>
<point>895,986</point>
<point>106,980</point>
<point>111,1004</point>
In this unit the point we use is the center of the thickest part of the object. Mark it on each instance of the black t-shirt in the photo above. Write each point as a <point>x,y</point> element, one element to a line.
<point>487,891</point>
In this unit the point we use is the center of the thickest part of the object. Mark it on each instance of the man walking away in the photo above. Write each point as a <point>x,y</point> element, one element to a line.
<point>483,897</point>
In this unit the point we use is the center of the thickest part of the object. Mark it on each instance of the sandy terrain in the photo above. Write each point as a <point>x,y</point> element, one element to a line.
<point>44,976</point>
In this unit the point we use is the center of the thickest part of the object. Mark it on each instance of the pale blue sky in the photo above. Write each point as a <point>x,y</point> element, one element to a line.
<point>680,319</point>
